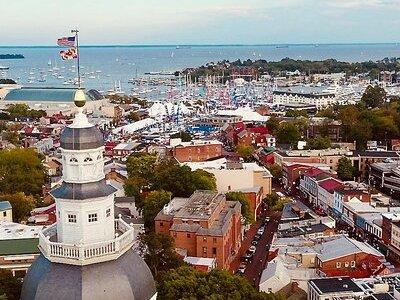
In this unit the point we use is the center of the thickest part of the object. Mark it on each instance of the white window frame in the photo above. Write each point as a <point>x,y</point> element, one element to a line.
<point>72,218</point>
<point>93,217</point>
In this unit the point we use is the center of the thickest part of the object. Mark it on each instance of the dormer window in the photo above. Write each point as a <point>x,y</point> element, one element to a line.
<point>88,159</point>
<point>73,160</point>
<point>99,157</point>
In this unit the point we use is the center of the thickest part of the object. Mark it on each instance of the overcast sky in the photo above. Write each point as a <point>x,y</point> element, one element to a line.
<point>40,22</point>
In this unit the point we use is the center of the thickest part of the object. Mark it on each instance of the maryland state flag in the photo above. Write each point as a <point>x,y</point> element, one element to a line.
<point>71,53</point>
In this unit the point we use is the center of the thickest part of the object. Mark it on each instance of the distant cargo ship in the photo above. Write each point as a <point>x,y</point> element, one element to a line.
<point>11,56</point>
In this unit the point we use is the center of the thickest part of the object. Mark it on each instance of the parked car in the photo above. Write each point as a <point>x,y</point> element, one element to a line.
<point>252,249</point>
<point>241,269</point>
<point>254,242</point>
<point>247,257</point>
<point>260,231</point>
<point>257,237</point>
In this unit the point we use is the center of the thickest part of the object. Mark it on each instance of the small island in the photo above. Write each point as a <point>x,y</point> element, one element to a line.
<point>11,56</point>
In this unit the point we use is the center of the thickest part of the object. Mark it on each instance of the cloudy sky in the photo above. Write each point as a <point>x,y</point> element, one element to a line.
<point>40,22</point>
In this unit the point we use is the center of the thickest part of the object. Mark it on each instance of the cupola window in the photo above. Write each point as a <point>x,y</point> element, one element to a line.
<point>92,218</point>
<point>71,218</point>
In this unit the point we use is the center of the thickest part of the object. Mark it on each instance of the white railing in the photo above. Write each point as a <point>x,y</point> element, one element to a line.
<point>86,253</point>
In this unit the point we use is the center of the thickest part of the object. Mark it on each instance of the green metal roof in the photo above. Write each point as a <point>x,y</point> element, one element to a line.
<point>19,246</point>
<point>42,94</point>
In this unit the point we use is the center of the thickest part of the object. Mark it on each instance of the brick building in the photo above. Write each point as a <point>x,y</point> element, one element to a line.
<point>348,257</point>
<point>196,151</point>
<point>203,225</point>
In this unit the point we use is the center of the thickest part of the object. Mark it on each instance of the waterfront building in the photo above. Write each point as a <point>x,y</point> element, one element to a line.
<point>319,100</point>
<point>53,100</point>
<point>88,253</point>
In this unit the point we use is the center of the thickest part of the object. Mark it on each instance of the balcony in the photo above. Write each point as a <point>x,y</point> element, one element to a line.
<point>89,253</point>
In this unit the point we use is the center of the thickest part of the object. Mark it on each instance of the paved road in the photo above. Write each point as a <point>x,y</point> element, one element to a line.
<point>260,258</point>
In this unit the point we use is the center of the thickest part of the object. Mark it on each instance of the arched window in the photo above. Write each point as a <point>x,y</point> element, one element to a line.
<point>87,159</point>
<point>73,159</point>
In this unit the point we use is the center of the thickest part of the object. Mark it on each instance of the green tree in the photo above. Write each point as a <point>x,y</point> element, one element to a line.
<point>245,152</point>
<point>319,143</point>
<point>160,254</point>
<point>188,283</point>
<point>181,181</point>
<point>345,169</point>
<point>10,286</point>
<point>183,135</point>
<point>295,113</point>
<point>276,172</point>
<point>21,205</point>
<point>11,137</point>
<point>152,205</point>
<point>21,170</point>
<point>272,124</point>
<point>288,134</point>
<point>328,112</point>
<point>17,110</point>
<point>246,210</point>
<point>374,96</point>
<point>141,172</point>
<point>271,200</point>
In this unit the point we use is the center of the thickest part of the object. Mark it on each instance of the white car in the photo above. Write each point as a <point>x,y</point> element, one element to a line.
<point>260,231</point>
<point>252,249</point>
<point>242,268</point>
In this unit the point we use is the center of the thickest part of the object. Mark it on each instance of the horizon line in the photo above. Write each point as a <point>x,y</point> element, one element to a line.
<point>201,45</point>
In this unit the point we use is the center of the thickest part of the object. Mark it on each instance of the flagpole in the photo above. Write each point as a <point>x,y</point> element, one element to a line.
<point>77,53</point>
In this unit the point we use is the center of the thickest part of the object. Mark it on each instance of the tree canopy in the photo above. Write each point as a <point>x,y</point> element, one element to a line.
<point>22,110</point>
<point>345,169</point>
<point>288,133</point>
<point>160,253</point>
<point>374,96</point>
<point>145,173</point>
<point>276,172</point>
<point>319,143</point>
<point>183,135</point>
<point>188,283</point>
<point>21,204</point>
<point>21,170</point>
<point>152,205</point>
<point>10,286</point>
<point>245,152</point>
<point>246,211</point>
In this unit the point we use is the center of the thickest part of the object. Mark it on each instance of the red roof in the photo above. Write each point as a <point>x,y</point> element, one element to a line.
<point>330,184</point>
<point>259,130</point>
<point>312,172</point>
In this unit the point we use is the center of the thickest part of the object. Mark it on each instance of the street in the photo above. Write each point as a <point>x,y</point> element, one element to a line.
<point>259,260</point>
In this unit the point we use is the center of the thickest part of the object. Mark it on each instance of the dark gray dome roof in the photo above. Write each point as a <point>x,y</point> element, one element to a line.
<point>128,277</point>
<point>81,138</point>
<point>83,191</point>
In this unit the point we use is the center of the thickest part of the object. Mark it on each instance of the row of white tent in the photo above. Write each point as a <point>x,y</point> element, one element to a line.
<point>159,109</point>
<point>136,126</point>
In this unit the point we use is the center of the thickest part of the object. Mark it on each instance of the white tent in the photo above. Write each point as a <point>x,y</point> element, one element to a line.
<point>247,113</point>
<point>136,126</point>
